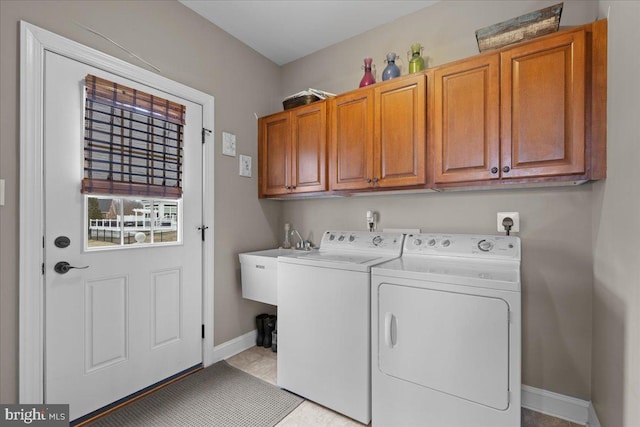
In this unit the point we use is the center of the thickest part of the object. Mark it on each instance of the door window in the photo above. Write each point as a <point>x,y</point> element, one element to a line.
<point>118,222</point>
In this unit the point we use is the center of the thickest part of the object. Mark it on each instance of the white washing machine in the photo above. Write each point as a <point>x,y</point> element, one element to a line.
<point>324,319</point>
<point>446,333</point>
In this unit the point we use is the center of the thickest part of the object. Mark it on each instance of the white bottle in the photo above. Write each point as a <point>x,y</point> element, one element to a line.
<point>286,244</point>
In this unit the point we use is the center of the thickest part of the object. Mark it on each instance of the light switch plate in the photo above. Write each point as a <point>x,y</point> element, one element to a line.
<point>1,192</point>
<point>228,144</point>
<point>245,166</point>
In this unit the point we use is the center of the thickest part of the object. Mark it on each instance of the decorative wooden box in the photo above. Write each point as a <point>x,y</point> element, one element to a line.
<point>525,27</point>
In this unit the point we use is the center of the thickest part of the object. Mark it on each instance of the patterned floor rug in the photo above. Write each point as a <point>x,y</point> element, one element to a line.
<point>219,396</point>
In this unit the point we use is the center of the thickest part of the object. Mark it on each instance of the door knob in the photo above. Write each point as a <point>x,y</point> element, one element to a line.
<point>506,169</point>
<point>63,267</point>
<point>494,170</point>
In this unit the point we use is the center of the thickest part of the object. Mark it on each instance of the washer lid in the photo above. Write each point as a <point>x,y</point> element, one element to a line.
<point>353,261</point>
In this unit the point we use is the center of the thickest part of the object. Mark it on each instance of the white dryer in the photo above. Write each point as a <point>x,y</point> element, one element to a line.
<point>446,333</point>
<point>324,319</point>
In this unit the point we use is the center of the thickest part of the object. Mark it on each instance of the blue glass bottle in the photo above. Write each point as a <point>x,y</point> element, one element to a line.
<point>391,71</point>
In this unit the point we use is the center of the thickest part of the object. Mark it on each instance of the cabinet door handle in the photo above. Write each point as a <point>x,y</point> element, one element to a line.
<point>293,187</point>
<point>368,180</point>
<point>494,170</point>
<point>506,169</point>
<point>375,179</point>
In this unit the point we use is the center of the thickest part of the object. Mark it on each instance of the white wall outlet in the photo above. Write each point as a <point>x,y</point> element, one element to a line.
<point>245,166</point>
<point>228,144</point>
<point>515,216</point>
<point>1,192</point>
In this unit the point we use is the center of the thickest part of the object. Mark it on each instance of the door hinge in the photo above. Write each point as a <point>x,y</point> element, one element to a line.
<point>202,331</point>
<point>202,229</point>
<point>43,268</point>
<point>42,242</point>
<point>205,132</point>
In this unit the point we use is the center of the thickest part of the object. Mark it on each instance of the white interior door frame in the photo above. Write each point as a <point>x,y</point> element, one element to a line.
<point>34,41</point>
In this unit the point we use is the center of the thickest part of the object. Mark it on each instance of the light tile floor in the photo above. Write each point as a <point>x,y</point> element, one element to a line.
<point>262,363</point>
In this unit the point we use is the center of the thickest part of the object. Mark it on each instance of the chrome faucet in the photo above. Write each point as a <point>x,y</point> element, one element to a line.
<point>302,244</point>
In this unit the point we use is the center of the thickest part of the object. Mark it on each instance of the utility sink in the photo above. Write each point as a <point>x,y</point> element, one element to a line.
<point>259,272</point>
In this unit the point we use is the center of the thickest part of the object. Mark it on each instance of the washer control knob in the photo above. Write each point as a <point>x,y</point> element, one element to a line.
<point>431,242</point>
<point>417,241</point>
<point>377,241</point>
<point>332,237</point>
<point>485,245</point>
<point>341,238</point>
<point>446,243</point>
<point>352,238</point>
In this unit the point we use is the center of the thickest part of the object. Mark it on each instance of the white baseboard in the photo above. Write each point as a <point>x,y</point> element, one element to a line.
<point>558,405</point>
<point>593,417</point>
<point>234,346</point>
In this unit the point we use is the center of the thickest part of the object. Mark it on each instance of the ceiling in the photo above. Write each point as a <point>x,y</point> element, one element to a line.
<point>285,30</point>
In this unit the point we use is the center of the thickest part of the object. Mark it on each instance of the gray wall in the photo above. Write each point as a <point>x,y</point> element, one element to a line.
<point>616,231</point>
<point>555,222</point>
<point>576,253</point>
<point>187,49</point>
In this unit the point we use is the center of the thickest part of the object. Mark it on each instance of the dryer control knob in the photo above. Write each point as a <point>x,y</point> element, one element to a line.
<point>446,243</point>
<point>377,240</point>
<point>417,242</point>
<point>485,245</point>
<point>352,238</point>
<point>431,242</point>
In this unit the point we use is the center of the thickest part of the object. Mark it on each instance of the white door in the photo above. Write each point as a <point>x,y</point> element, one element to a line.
<point>133,317</point>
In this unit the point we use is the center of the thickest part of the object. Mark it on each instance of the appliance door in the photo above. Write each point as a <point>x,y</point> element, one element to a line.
<point>453,343</point>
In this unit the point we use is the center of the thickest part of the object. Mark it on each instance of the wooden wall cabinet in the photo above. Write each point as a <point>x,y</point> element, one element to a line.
<point>466,122</point>
<point>378,136</point>
<point>543,108</point>
<point>292,151</point>
<point>532,114</point>
<point>351,140</point>
<point>516,115</point>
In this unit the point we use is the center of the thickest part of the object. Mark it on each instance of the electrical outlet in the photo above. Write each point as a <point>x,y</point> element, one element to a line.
<point>515,216</point>
<point>245,166</point>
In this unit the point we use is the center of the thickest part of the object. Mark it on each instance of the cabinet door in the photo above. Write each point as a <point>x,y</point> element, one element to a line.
<point>308,145</point>
<point>466,121</point>
<point>274,154</point>
<point>351,141</point>
<point>400,132</point>
<point>543,101</point>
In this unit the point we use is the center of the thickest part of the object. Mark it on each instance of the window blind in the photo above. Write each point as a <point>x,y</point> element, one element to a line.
<point>133,142</point>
